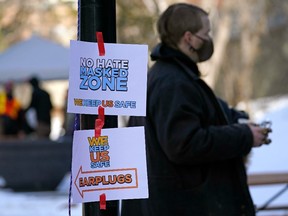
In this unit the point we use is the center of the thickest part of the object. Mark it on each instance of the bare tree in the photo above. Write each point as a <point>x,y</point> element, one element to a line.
<point>234,22</point>
<point>253,24</point>
<point>221,18</point>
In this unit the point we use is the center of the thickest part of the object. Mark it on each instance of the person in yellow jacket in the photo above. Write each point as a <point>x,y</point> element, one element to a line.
<point>11,112</point>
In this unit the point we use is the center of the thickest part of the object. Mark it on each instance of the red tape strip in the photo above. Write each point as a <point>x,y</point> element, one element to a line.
<point>99,122</point>
<point>100,41</point>
<point>103,201</point>
<point>101,114</point>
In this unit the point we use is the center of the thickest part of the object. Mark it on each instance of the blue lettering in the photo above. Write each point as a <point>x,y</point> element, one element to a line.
<point>98,72</point>
<point>82,70</point>
<point>123,72</point>
<point>121,84</point>
<point>125,104</point>
<point>114,72</point>
<point>106,72</point>
<point>90,72</point>
<point>94,85</point>
<point>86,102</point>
<point>98,148</point>
<point>100,164</point>
<point>108,82</point>
<point>83,84</point>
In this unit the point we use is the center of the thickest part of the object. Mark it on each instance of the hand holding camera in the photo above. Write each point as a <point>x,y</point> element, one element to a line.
<point>261,133</point>
<point>266,129</point>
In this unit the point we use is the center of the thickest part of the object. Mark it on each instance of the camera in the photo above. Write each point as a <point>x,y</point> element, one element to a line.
<point>266,125</point>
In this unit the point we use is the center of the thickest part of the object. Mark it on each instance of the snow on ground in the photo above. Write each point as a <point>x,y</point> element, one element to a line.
<point>36,203</point>
<point>272,158</point>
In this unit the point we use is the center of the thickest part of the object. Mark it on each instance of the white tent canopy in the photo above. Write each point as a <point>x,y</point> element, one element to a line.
<point>35,56</point>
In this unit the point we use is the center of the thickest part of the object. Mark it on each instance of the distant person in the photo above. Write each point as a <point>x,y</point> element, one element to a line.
<point>11,112</point>
<point>68,123</point>
<point>41,105</point>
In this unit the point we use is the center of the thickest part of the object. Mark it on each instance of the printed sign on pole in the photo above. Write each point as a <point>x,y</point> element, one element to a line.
<point>113,163</point>
<point>115,81</point>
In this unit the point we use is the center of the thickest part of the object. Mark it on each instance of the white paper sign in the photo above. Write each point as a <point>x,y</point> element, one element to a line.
<point>114,164</point>
<point>116,81</point>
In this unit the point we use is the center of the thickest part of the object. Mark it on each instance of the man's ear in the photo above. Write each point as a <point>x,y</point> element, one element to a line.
<point>187,37</point>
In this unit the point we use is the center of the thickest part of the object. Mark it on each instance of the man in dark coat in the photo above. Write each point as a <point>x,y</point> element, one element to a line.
<point>42,105</point>
<point>194,154</point>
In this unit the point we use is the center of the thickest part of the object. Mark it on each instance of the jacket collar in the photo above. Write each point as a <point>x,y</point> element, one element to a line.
<point>163,52</point>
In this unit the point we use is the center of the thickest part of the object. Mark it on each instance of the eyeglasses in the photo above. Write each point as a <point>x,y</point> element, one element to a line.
<point>201,38</point>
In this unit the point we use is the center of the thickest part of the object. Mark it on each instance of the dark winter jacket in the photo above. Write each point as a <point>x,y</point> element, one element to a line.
<point>42,103</point>
<point>194,156</point>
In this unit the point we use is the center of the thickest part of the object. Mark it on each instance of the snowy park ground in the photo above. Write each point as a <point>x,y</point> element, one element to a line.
<point>272,158</point>
<point>36,203</point>
<point>43,203</point>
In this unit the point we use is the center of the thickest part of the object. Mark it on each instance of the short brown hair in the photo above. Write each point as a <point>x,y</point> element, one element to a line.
<point>176,20</point>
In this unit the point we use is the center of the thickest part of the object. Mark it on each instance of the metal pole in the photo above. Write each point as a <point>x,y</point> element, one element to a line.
<point>98,15</point>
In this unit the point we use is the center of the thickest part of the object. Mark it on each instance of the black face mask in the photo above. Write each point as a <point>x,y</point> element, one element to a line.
<point>205,51</point>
